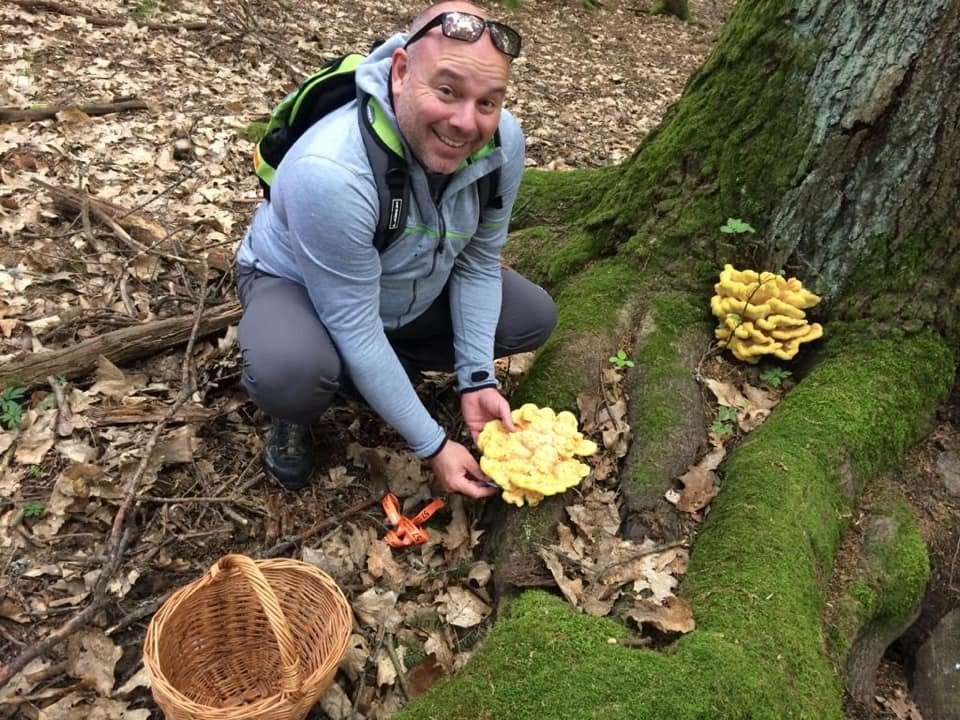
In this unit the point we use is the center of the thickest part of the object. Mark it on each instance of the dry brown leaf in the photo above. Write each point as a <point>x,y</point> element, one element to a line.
<point>598,515</point>
<point>457,539</point>
<point>462,608</point>
<point>91,658</point>
<point>386,669</point>
<point>382,566</point>
<point>376,607</point>
<point>355,657</point>
<point>425,674</point>
<point>111,381</point>
<point>36,438</point>
<point>699,482</point>
<point>336,704</point>
<point>900,705</point>
<point>12,610</point>
<point>178,445</point>
<point>71,486</point>
<point>439,644</point>
<point>571,589</point>
<point>674,615</point>
<point>480,574</point>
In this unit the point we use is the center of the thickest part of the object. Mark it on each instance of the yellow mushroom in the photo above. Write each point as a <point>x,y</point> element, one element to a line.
<point>762,314</point>
<point>538,458</point>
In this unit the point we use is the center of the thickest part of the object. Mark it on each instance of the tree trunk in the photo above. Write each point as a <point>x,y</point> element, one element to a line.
<point>834,130</point>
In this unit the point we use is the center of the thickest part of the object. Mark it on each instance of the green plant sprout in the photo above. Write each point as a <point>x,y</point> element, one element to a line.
<point>33,509</point>
<point>724,424</point>
<point>11,412</point>
<point>775,376</point>
<point>620,360</point>
<point>736,226</point>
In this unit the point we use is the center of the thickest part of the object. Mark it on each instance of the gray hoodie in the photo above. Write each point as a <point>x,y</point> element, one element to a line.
<point>317,230</point>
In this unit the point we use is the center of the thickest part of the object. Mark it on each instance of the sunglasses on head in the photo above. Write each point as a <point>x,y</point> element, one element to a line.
<point>467,27</point>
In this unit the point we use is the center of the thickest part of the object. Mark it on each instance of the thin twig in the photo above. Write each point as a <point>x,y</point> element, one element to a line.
<point>62,424</point>
<point>141,612</point>
<point>401,674</point>
<point>381,633</point>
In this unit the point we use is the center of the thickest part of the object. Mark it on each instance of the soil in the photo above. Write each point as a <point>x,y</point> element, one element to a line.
<point>591,83</point>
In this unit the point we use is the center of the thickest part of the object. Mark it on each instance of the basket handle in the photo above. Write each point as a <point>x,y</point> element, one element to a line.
<point>291,682</point>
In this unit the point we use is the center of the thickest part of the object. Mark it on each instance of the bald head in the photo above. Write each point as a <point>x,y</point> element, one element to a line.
<point>444,6</point>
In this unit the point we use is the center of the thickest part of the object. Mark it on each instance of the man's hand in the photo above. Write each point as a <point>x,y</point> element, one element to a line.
<point>480,406</point>
<point>457,471</point>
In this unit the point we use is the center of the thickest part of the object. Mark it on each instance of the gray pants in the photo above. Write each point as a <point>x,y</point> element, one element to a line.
<point>291,368</point>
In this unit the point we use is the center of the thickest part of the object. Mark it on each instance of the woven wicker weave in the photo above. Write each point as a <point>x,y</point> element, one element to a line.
<point>250,640</point>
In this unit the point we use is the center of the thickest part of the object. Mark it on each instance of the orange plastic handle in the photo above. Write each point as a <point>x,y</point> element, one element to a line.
<point>421,517</point>
<point>391,506</point>
<point>416,535</point>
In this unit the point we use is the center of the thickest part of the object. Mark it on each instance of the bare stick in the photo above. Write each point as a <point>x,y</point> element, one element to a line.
<point>12,114</point>
<point>401,674</point>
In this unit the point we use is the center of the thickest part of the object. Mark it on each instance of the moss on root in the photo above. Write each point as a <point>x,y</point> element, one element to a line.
<point>591,309</point>
<point>886,588</point>
<point>661,373</point>
<point>754,576</point>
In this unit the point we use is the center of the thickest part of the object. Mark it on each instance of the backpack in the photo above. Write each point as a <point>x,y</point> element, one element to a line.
<point>334,86</point>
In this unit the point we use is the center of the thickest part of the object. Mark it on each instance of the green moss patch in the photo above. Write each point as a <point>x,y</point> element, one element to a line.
<point>755,573</point>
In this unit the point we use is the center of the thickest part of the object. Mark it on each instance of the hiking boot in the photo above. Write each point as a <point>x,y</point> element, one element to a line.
<point>288,454</point>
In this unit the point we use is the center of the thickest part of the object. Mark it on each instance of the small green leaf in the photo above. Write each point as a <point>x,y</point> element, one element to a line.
<point>736,226</point>
<point>775,376</point>
<point>721,428</point>
<point>726,413</point>
<point>33,509</point>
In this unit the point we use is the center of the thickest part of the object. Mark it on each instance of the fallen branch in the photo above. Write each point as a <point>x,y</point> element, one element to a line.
<point>137,414</point>
<point>118,346</point>
<point>68,203</point>
<point>12,114</point>
<point>119,532</point>
<point>104,21</point>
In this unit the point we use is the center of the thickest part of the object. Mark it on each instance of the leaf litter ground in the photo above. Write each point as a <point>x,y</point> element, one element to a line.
<point>590,85</point>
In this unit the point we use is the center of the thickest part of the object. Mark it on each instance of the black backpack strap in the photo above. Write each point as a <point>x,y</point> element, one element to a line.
<point>489,184</point>
<point>390,172</point>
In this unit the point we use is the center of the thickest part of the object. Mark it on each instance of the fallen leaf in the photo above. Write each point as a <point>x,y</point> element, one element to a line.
<point>37,437</point>
<point>381,565</point>
<point>355,657</point>
<point>91,658</point>
<point>674,615</point>
<point>571,589</point>
<point>376,607</point>
<point>425,674</point>
<point>439,644</point>
<point>462,608</point>
<point>112,382</point>
<point>335,703</point>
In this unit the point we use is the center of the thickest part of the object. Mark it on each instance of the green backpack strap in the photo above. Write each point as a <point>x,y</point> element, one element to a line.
<point>330,87</point>
<point>390,172</point>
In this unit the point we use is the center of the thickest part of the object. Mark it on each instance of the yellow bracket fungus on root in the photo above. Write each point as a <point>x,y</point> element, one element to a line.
<point>762,314</point>
<point>537,459</point>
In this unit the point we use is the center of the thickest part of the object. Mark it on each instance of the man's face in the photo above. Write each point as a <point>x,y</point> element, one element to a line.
<point>447,95</point>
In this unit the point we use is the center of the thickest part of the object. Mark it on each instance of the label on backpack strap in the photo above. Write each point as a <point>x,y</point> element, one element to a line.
<point>396,212</point>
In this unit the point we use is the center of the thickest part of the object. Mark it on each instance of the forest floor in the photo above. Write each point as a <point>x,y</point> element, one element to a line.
<point>589,86</point>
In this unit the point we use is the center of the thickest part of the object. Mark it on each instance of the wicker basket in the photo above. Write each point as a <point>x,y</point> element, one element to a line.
<point>248,640</point>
